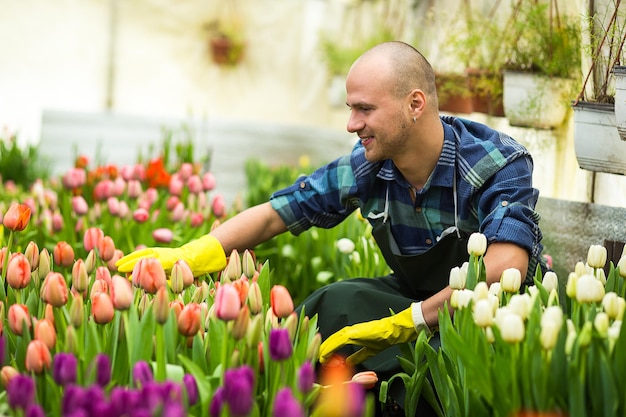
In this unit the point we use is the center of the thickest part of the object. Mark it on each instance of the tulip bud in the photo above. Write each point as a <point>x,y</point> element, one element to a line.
<point>45,331</point>
<point>248,264</point>
<point>291,324</point>
<point>201,293</point>
<point>550,281</point>
<point>481,291</point>
<point>90,261</point>
<point>477,244</point>
<point>227,302</point>
<point>457,278</point>
<point>38,357</point>
<point>77,313</point>
<point>189,320</point>
<point>312,352</point>
<point>548,335</point>
<point>596,257</point>
<point>589,289</point>
<point>496,289</point>
<point>255,299</point>
<point>71,340</point>
<point>601,323</point>
<point>121,293</point>
<point>19,319</point>
<point>281,301</point>
<point>233,269</point>
<point>63,254</point>
<point>106,248</point>
<point>44,264</point>
<point>254,330</point>
<point>240,325</point>
<point>144,303</point>
<point>511,280</point>
<point>345,245</point>
<point>512,329</point>
<point>367,379</point>
<point>584,338</point>
<point>102,308</point>
<point>160,305</point>
<point>80,278</point>
<point>183,269</point>
<point>32,254</point>
<point>18,271</point>
<point>621,266</point>
<point>483,316</point>
<point>54,289</point>
<point>520,304</point>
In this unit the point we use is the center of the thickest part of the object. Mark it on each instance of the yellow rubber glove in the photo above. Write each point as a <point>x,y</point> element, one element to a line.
<point>377,335</point>
<point>203,255</point>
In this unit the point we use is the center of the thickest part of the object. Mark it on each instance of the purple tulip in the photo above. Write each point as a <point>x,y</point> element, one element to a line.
<point>21,391</point>
<point>73,400</point>
<point>35,410</point>
<point>94,396</point>
<point>103,369</point>
<point>142,373</point>
<point>306,377</point>
<point>356,400</point>
<point>217,402</point>
<point>285,405</point>
<point>239,390</point>
<point>191,388</point>
<point>280,344</point>
<point>64,368</point>
<point>173,409</point>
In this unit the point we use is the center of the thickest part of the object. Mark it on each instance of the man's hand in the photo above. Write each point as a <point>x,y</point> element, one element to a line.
<point>377,335</point>
<point>203,255</point>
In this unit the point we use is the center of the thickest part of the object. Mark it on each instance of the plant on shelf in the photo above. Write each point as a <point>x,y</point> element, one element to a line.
<point>542,52</point>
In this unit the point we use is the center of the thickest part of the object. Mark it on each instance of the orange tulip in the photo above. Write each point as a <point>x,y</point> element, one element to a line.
<point>242,285</point>
<point>19,317</point>
<point>121,293</point>
<point>106,248</point>
<point>177,306</point>
<point>189,320</point>
<point>54,289</point>
<point>38,357</point>
<point>281,301</point>
<point>63,254</point>
<point>45,331</point>
<point>17,217</point>
<point>18,271</point>
<point>149,274</point>
<point>102,308</point>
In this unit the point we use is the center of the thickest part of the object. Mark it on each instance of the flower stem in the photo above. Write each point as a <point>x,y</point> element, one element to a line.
<point>160,353</point>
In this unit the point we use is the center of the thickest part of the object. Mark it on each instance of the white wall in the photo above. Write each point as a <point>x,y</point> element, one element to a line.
<point>150,57</point>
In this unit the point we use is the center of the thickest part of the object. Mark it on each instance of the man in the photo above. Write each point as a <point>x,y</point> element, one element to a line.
<point>423,181</point>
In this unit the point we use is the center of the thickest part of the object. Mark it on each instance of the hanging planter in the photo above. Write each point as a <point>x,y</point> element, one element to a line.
<point>619,72</point>
<point>597,143</point>
<point>535,100</point>
<point>226,51</point>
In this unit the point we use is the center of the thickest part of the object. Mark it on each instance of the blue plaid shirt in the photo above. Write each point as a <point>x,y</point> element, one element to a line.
<point>493,183</point>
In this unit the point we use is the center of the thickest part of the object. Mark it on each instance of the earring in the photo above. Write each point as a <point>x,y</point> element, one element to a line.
<point>414,119</point>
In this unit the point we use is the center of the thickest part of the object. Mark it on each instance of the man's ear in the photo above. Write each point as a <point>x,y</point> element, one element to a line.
<point>417,102</point>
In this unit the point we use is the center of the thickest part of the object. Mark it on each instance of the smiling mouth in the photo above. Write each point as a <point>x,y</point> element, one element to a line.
<point>366,140</point>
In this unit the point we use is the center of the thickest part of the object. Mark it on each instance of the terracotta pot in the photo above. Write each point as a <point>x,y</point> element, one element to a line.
<point>454,94</point>
<point>226,52</point>
<point>486,91</point>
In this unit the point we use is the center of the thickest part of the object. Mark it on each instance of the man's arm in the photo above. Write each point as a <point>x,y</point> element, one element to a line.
<point>249,228</point>
<point>499,256</point>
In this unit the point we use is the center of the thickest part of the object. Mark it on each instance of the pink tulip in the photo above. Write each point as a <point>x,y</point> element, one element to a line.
<point>176,185</point>
<point>92,238</point>
<point>99,285</point>
<point>113,204</point>
<point>102,308</point>
<point>227,302</point>
<point>194,183</point>
<point>149,274</point>
<point>141,215</point>
<point>103,190</point>
<point>208,181</point>
<point>127,172</point>
<point>152,195</point>
<point>172,202</point>
<point>57,222</point>
<point>189,320</point>
<point>134,189</point>
<point>103,273</point>
<point>163,235</point>
<point>281,301</point>
<point>186,170</point>
<point>17,217</point>
<point>80,278</point>
<point>32,254</point>
<point>119,185</point>
<point>178,213</point>
<point>74,178</point>
<point>45,331</point>
<point>38,357</point>
<point>18,317</point>
<point>79,205</point>
<point>18,271</point>
<point>196,219</point>
<point>218,206</point>
<point>54,289</point>
<point>63,254</point>
<point>121,293</point>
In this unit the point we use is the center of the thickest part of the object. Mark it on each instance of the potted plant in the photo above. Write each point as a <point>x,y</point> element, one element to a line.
<point>542,63</point>
<point>226,41</point>
<point>453,91</point>
<point>596,139</point>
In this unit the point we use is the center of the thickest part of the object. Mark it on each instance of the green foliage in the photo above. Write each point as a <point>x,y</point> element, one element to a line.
<point>20,165</point>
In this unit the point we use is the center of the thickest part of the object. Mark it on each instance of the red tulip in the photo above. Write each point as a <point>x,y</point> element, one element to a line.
<point>19,316</point>
<point>189,320</point>
<point>18,271</point>
<point>149,274</point>
<point>102,308</point>
<point>281,301</point>
<point>63,254</point>
<point>17,217</point>
<point>38,357</point>
<point>54,289</point>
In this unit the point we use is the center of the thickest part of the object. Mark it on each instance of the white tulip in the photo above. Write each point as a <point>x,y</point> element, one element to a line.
<point>549,335</point>
<point>621,264</point>
<point>477,244</point>
<point>512,329</point>
<point>550,281</point>
<point>610,304</point>
<point>481,290</point>
<point>570,287</point>
<point>600,276</point>
<point>495,303</point>
<point>552,314</point>
<point>345,245</point>
<point>596,257</point>
<point>601,323</point>
<point>511,280</point>
<point>495,289</point>
<point>483,315</point>
<point>457,278</point>
<point>521,305</point>
<point>464,297</point>
<point>582,269</point>
<point>589,289</point>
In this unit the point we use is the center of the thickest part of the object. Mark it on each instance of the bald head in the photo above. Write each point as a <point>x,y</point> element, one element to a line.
<point>406,67</point>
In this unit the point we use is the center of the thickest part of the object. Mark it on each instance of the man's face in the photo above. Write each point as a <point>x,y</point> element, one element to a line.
<point>378,117</point>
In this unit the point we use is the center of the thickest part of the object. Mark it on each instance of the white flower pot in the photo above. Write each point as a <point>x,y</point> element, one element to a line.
<point>597,143</point>
<point>533,100</point>
<point>619,73</point>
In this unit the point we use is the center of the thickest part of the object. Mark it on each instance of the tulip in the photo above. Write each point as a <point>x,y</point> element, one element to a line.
<point>74,178</point>
<point>621,266</point>
<point>367,379</point>
<point>194,184</point>
<point>457,278</point>
<point>7,373</point>
<point>71,339</point>
<point>191,389</point>
<point>512,328</point>
<point>481,291</point>
<point>19,319</point>
<point>596,256</point>
<point>106,248</point>
<point>589,289</point>
<point>240,325</point>
<point>227,302</point>
<point>208,181</point>
<point>18,271</point>
<point>280,346</point>
<point>17,217</point>
<point>20,392</point>
<point>511,280</point>
<point>461,299</point>
<point>601,323</point>
<point>142,374</point>
<point>483,313</point>
<point>550,281</point>
<point>163,235</point>
<point>306,377</point>
<point>117,255</point>
<point>80,278</point>
<point>345,245</point>
<point>520,304</point>
<point>183,270</point>
<point>79,205</point>
<point>149,274</point>
<point>176,306</point>
<point>99,285</point>
<point>54,289</point>
<point>64,366</point>
<point>254,331</point>
<point>477,244</point>
<point>102,308</point>
<point>548,335</point>
<point>45,331</point>
<point>113,204</point>
<point>58,222</point>
<point>286,405</point>
<point>312,352</point>
<point>281,301</point>
<point>141,215</point>
<point>255,299</point>
<point>242,285</point>
<point>102,365</point>
<point>32,254</point>
<point>63,254</point>
<point>160,306</point>
<point>92,238</point>
<point>218,206</point>
<point>90,261</point>
<point>189,320</point>
<point>38,357</point>
<point>121,293</point>
<point>239,390</point>
<point>77,313</point>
